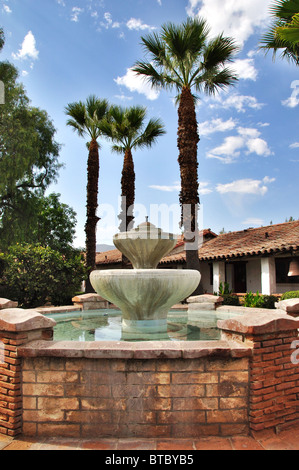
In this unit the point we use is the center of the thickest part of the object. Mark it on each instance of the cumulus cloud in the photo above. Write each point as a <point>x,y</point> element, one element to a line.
<point>136,83</point>
<point>246,186</point>
<point>237,19</point>
<point>76,12</point>
<point>295,145</point>
<point>6,9</point>
<point>245,69</point>
<point>235,101</point>
<point>248,140</point>
<point>138,25</point>
<point>215,125</point>
<point>28,49</point>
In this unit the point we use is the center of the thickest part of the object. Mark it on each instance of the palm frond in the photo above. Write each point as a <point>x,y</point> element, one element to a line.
<point>153,130</point>
<point>150,74</point>
<point>219,51</point>
<point>214,80</point>
<point>290,33</point>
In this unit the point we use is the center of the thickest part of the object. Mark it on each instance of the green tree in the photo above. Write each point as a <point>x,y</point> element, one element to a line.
<point>86,119</point>
<point>283,35</point>
<point>2,39</point>
<point>33,275</point>
<point>28,150</point>
<point>127,130</point>
<point>182,57</point>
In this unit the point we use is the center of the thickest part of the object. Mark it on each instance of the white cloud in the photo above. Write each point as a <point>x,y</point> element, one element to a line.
<point>245,186</point>
<point>137,24</point>
<point>76,11</point>
<point>7,9</point>
<point>235,101</point>
<point>216,125</point>
<point>28,49</point>
<point>245,69</point>
<point>136,83</point>
<point>176,187</point>
<point>238,19</point>
<point>250,221</point>
<point>295,145</point>
<point>248,140</point>
<point>109,23</point>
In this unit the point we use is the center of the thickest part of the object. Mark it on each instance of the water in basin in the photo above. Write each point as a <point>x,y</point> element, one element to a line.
<point>106,325</point>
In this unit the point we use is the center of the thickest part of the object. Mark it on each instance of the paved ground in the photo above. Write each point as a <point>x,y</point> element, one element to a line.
<point>266,440</point>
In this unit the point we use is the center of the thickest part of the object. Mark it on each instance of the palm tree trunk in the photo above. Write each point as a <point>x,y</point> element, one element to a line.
<point>92,205</point>
<point>189,197</point>
<point>128,193</point>
<point>128,198</point>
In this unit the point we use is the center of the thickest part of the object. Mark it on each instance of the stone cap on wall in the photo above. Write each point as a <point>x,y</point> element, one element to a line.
<point>17,320</point>
<point>260,323</point>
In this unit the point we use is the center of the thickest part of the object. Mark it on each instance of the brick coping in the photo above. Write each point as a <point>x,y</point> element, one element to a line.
<point>138,350</point>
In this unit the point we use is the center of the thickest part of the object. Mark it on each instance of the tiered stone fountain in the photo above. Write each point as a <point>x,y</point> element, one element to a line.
<point>145,294</point>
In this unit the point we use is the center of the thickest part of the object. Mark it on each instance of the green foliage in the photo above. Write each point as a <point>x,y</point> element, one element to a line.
<point>231,299</point>
<point>224,290</point>
<point>259,301</point>
<point>283,34</point>
<point>290,295</point>
<point>183,56</point>
<point>33,275</point>
<point>38,220</point>
<point>228,297</point>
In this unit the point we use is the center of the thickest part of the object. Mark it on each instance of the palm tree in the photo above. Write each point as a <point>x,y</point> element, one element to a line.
<point>283,34</point>
<point>182,57</point>
<point>126,128</point>
<point>86,119</point>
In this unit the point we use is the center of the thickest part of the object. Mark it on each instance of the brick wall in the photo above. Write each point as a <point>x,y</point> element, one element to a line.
<point>127,398</point>
<point>274,374</point>
<point>274,389</point>
<point>10,384</point>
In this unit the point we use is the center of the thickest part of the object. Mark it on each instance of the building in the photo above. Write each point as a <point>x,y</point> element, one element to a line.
<point>256,259</point>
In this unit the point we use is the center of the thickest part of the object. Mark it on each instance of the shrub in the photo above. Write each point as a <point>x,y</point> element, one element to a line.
<point>34,275</point>
<point>290,295</point>
<point>269,301</point>
<point>259,301</point>
<point>230,299</point>
<point>253,300</point>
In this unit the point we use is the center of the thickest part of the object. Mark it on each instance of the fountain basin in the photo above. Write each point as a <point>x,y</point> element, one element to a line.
<point>145,296</point>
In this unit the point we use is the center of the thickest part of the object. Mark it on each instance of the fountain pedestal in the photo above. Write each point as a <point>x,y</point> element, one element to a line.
<point>145,294</point>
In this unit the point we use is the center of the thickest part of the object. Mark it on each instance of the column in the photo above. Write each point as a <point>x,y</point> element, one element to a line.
<point>268,276</point>
<point>218,275</point>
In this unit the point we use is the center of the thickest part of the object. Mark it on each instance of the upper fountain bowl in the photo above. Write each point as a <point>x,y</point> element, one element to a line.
<point>145,245</point>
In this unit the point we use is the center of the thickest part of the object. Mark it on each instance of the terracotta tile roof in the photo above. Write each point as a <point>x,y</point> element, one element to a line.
<point>115,257</point>
<point>252,242</point>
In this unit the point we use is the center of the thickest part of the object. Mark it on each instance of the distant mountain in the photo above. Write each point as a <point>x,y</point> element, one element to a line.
<point>103,248</point>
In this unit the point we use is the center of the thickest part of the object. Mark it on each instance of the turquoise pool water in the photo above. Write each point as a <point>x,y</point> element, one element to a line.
<point>105,325</point>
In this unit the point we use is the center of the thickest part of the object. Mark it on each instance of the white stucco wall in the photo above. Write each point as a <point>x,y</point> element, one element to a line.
<point>253,275</point>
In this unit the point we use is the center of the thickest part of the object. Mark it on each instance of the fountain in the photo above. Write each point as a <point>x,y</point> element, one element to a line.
<point>145,294</point>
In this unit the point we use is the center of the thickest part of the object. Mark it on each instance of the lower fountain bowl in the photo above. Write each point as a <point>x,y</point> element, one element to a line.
<point>145,296</point>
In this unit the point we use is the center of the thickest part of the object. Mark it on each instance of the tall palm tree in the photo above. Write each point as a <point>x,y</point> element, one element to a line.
<point>182,57</point>
<point>283,34</point>
<point>126,128</point>
<point>86,119</point>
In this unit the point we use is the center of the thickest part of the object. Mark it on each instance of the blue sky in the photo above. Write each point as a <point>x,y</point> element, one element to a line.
<point>248,155</point>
